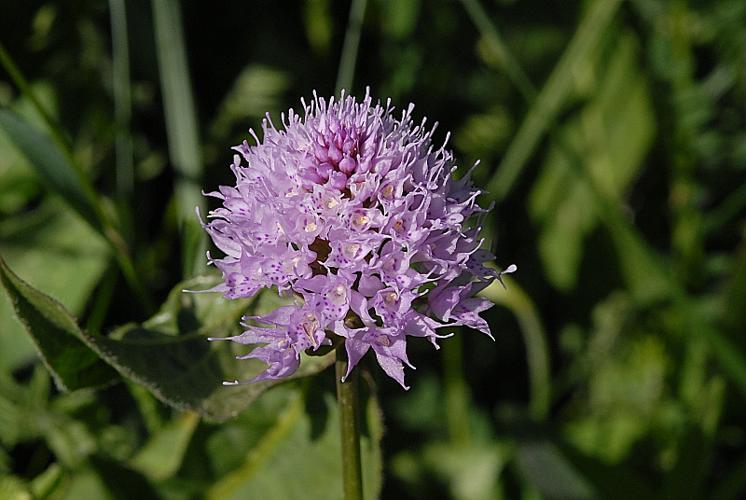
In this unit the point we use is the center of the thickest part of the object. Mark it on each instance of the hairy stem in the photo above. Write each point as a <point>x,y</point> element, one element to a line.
<point>349,425</point>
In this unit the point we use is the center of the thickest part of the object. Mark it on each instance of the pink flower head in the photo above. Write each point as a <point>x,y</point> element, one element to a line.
<point>353,210</point>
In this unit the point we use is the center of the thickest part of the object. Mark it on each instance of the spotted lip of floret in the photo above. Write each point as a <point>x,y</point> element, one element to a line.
<point>352,210</point>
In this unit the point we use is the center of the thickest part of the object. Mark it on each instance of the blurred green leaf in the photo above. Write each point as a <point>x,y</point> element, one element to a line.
<point>401,17</point>
<point>181,126</point>
<point>122,93</point>
<point>256,90</point>
<point>503,57</point>
<point>734,299</point>
<point>318,23</point>
<point>70,440</point>
<point>472,471</point>
<point>534,338</point>
<point>591,30</point>
<point>612,133</point>
<point>189,372</point>
<point>647,273</point>
<point>484,135</point>
<point>548,470</point>
<point>610,481</point>
<point>56,252</point>
<point>63,347</point>
<point>13,488</point>
<point>292,460</point>
<point>47,483</point>
<point>348,59</point>
<point>104,479</point>
<point>18,183</point>
<point>50,163</point>
<point>161,456</point>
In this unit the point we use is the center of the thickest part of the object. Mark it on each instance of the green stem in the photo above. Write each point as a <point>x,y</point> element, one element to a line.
<point>349,425</point>
<point>535,339</point>
<point>456,392</point>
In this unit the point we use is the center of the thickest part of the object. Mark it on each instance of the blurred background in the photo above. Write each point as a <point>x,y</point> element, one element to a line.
<point>612,140</point>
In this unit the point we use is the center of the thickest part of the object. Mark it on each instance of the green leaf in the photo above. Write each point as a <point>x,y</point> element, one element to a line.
<point>169,354</point>
<point>50,163</point>
<point>56,252</point>
<point>13,488</point>
<point>61,344</point>
<point>471,471</point>
<point>593,27</point>
<point>553,476</point>
<point>161,456</point>
<point>181,127</point>
<point>48,482</point>
<point>256,89</point>
<point>610,481</point>
<point>348,59</point>
<point>612,133</point>
<point>105,479</point>
<point>18,183</point>
<point>292,460</point>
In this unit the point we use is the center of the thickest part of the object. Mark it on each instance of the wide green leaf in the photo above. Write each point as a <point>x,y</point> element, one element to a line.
<point>190,371</point>
<point>543,465</point>
<point>61,343</point>
<point>299,455</point>
<point>55,251</point>
<point>169,354</point>
<point>162,454</point>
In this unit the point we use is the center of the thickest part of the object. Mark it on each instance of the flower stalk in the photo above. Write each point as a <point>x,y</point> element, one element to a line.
<point>349,423</point>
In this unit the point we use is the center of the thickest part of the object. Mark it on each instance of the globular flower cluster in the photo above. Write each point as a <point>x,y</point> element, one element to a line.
<point>351,209</point>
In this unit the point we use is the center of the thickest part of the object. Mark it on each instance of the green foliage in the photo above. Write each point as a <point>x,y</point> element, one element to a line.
<point>59,254</point>
<point>613,142</point>
<point>189,373</point>
<point>65,349</point>
<point>50,163</point>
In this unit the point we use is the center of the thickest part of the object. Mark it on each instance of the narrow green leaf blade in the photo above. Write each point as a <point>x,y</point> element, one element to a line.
<point>49,162</point>
<point>553,95</point>
<point>181,127</point>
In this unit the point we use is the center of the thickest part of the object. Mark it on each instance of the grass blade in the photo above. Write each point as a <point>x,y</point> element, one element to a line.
<point>181,127</point>
<point>549,101</point>
<point>53,160</point>
<point>488,30</point>
<point>122,98</point>
<point>51,164</point>
<point>346,72</point>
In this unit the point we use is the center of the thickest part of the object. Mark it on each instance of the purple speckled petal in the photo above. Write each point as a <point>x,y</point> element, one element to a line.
<point>356,349</point>
<point>350,207</point>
